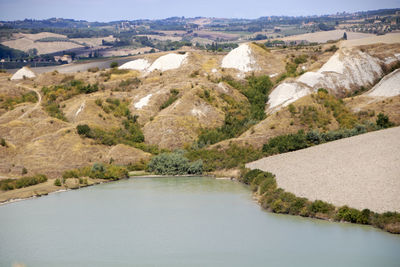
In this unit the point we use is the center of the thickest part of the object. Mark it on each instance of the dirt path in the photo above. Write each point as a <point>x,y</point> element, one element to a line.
<point>37,103</point>
<point>361,171</point>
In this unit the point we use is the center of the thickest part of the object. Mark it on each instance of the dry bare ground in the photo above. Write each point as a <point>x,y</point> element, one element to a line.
<point>324,36</point>
<point>362,171</point>
<point>94,41</point>
<point>390,38</point>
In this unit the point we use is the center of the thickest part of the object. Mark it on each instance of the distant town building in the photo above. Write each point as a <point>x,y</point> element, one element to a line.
<point>64,58</point>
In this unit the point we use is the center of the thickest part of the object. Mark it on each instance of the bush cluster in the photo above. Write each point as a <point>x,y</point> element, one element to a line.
<point>239,116</point>
<point>10,184</point>
<point>99,171</point>
<point>217,159</point>
<point>174,163</point>
<point>129,133</point>
<point>383,121</point>
<point>300,140</point>
<point>54,95</point>
<point>8,103</point>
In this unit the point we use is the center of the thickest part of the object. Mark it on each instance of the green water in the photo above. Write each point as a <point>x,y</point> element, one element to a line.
<point>178,222</point>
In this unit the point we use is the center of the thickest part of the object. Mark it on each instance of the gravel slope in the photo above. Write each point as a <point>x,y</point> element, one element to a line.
<point>361,171</point>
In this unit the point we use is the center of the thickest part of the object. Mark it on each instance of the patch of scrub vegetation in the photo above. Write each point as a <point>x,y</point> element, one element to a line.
<point>383,121</point>
<point>239,116</point>
<point>3,142</point>
<point>119,108</point>
<point>54,95</point>
<point>174,163</point>
<point>9,103</point>
<point>124,84</point>
<point>171,99</point>
<point>129,133</point>
<point>301,139</point>
<point>235,156</point>
<point>344,117</point>
<point>277,200</point>
<point>231,157</point>
<point>10,184</point>
<point>292,66</point>
<point>98,171</point>
<point>325,107</point>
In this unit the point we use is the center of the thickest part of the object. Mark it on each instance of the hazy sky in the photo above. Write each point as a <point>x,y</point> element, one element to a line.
<point>108,10</point>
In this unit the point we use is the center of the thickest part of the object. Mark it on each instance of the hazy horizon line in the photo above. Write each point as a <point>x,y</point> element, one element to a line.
<point>207,17</point>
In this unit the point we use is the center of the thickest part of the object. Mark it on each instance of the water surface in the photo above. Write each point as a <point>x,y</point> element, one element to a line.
<point>178,222</point>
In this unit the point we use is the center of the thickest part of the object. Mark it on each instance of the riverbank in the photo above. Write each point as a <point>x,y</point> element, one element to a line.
<point>46,188</point>
<point>275,199</point>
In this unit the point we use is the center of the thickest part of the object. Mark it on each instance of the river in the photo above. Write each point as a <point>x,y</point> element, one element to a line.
<point>194,221</point>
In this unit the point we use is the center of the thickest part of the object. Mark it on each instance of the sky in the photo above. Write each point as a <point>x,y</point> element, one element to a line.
<point>111,10</point>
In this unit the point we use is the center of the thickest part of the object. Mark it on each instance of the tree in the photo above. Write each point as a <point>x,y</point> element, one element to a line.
<point>113,64</point>
<point>344,36</point>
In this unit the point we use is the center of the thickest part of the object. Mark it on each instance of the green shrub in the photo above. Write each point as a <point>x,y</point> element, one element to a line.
<point>24,171</point>
<point>286,143</point>
<point>57,182</point>
<point>98,171</point>
<point>268,184</point>
<point>94,69</point>
<point>171,99</point>
<point>7,184</point>
<point>232,157</point>
<point>113,64</point>
<point>319,206</point>
<point>174,163</point>
<point>53,109</point>
<point>3,142</point>
<point>83,129</point>
<point>297,206</point>
<point>353,215</point>
<point>195,167</point>
<point>99,102</point>
<point>301,59</point>
<point>248,177</point>
<point>10,184</point>
<point>333,48</point>
<point>383,121</point>
<point>70,174</point>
